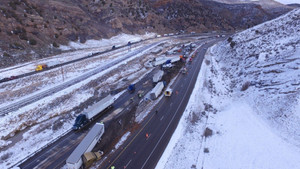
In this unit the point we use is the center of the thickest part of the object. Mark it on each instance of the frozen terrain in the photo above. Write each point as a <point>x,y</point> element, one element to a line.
<point>245,109</point>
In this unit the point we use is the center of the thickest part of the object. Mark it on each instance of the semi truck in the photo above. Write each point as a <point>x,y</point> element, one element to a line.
<point>163,60</point>
<point>82,156</point>
<point>156,90</point>
<point>41,67</point>
<point>96,109</point>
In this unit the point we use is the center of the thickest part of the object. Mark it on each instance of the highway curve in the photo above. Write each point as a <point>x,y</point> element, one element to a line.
<point>140,152</point>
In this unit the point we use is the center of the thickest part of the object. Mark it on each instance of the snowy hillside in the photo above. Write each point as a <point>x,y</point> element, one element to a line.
<point>245,109</point>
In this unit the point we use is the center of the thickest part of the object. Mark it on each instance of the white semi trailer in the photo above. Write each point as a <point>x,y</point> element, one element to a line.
<point>157,76</point>
<point>92,111</point>
<point>163,60</point>
<point>156,90</point>
<point>86,145</point>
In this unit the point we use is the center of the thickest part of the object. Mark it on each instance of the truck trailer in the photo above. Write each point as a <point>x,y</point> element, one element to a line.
<point>93,111</point>
<point>156,90</point>
<point>78,157</point>
<point>157,76</point>
<point>163,60</point>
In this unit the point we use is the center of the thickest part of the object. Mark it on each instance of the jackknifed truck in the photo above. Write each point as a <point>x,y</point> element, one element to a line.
<point>95,110</point>
<point>82,157</point>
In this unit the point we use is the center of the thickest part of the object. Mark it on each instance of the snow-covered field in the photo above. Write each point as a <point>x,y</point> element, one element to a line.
<point>245,109</point>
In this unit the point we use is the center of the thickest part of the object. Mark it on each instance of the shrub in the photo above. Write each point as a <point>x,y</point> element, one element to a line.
<point>229,39</point>
<point>245,86</point>
<point>208,132</point>
<point>5,156</point>
<point>55,45</point>
<point>6,54</point>
<point>12,5</point>
<point>232,44</point>
<point>32,42</point>
<point>207,62</point>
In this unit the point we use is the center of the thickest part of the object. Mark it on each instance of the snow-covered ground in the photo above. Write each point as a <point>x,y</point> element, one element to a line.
<point>245,109</point>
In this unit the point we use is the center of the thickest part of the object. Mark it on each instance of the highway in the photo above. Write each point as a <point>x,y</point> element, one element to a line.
<point>159,126</point>
<point>143,152</point>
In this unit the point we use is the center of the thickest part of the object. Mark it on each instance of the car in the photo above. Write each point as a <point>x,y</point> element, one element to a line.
<point>5,79</point>
<point>12,77</point>
<point>183,71</point>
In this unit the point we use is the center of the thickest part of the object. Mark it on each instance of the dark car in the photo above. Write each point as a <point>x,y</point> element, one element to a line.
<point>12,77</point>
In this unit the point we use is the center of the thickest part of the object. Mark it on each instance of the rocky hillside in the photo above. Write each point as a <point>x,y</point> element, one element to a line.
<point>263,3</point>
<point>262,65</point>
<point>34,29</point>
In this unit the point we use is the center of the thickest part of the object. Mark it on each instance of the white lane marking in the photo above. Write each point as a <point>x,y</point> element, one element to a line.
<point>127,164</point>
<point>162,118</point>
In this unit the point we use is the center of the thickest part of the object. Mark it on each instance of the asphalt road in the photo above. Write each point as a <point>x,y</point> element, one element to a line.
<point>142,152</point>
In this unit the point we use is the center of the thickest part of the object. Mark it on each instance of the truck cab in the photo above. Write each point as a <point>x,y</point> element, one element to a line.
<point>131,88</point>
<point>90,157</point>
<point>40,67</point>
<point>80,121</point>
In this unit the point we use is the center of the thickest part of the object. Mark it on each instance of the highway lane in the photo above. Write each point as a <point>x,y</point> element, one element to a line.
<point>140,151</point>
